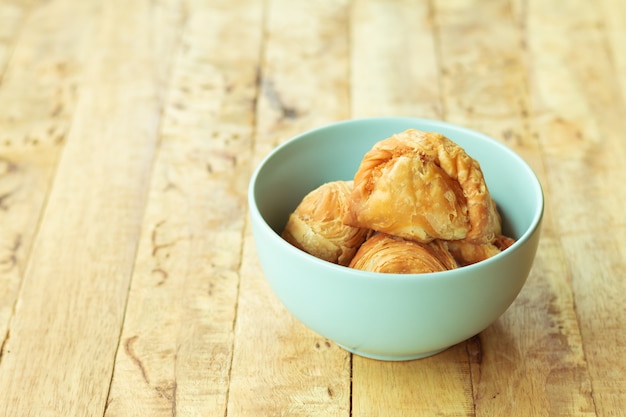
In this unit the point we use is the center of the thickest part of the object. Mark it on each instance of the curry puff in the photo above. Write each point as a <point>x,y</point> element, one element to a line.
<point>316,225</point>
<point>422,186</point>
<point>395,255</point>
<point>467,253</point>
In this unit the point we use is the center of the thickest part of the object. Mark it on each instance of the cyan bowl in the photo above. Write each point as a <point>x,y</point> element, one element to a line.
<point>390,316</point>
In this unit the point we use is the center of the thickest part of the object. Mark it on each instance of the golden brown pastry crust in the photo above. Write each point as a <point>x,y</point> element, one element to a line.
<point>503,242</point>
<point>467,253</point>
<point>422,186</point>
<point>316,224</point>
<point>440,249</point>
<point>391,254</point>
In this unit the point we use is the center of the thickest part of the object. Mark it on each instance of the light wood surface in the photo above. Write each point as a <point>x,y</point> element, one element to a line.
<point>129,283</point>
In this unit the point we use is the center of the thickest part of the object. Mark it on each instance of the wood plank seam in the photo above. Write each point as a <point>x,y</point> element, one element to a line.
<point>258,80</point>
<point>13,41</point>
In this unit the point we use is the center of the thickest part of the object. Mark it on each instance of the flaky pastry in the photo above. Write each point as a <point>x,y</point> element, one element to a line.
<point>422,186</point>
<point>467,253</point>
<point>316,224</point>
<point>392,254</point>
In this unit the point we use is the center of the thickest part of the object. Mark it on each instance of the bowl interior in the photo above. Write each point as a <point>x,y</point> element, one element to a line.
<point>334,152</point>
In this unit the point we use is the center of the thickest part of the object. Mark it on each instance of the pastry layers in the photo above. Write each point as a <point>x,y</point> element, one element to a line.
<point>467,253</point>
<point>316,225</point>
<point>418,203</point>
<point>392,254</point>
<point>422,186</point>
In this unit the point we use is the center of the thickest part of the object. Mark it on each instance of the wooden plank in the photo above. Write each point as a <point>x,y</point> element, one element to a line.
<point>398,38</point>
<point>299,89</point>
<point>531,361</point>
<point>486,87</point>
<point>602,275</point>
<point>279,366</point>
<point>597,262</point>
<point>567,117</point>
<point>85,246</point>
<point>37,98</point>
<point>438,385</point>
<point>394,68</point>
<point>484,74</point>
<point>614,18</point>
<point>176,346</point>
<point>11,20</point>
<point>578,114</point>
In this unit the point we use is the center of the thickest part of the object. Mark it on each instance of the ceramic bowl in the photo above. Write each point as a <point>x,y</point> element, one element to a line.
<point>390,316</point>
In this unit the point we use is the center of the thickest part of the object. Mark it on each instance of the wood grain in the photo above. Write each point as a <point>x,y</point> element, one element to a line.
<point>129,281</point>
<point>304,78</point>
<point>515,369</point>
<point>37,98</point>
<point>186,273</point>
<point>438,385</point>
<point>579,121</point>
<point>613,14</point>
<point>279,366</point>
<point>484,72</point>
<point>11,20</point>
<point>85,245</point>
<point>598,285</point>
<point>394,66</point>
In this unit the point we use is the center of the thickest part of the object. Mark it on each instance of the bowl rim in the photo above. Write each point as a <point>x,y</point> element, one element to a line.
<point>532,228</point>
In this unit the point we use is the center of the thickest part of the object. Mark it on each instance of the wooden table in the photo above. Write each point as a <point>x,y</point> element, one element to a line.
<point>129,282</point>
